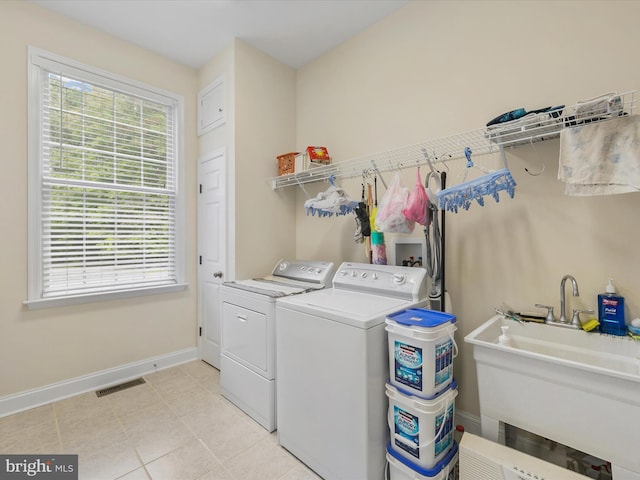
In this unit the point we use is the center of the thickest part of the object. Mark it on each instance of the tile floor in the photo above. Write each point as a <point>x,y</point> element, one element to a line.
<point>175,426</point>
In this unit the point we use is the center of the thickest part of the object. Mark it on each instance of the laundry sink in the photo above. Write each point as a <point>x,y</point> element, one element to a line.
<point>580,389</point>
<point>605,354</point>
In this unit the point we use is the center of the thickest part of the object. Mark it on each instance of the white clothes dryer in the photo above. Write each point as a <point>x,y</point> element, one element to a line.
<point>332,367</point>
<point>247,340</point>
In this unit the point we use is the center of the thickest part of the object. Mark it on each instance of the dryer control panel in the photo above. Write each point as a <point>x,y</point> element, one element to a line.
<point>304,271</point>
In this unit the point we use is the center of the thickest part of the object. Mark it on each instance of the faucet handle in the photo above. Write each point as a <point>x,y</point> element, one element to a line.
<point>575,320</point>
<point>550,316</point>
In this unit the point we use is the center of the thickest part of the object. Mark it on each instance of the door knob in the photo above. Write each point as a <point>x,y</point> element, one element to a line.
<point>217,275</point>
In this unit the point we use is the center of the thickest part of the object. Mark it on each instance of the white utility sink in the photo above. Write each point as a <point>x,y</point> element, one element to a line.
<point>580,389</point>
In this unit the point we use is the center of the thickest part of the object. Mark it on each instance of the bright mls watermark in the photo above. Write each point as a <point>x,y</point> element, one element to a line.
<point>50,467</point>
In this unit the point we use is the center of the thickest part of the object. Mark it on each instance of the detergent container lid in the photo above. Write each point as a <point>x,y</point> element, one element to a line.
<point>421,317</point>
<point>391,389</point>
<point>425,472</point>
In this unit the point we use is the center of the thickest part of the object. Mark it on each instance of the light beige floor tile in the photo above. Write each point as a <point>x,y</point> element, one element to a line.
<point>98,426</point>
<point>273,436</point>
<point>146,419</point>
<point>188,462</point>
<point>178,385</point>
<point>23,420</point>
<point>161,442</point>
<point>207,415</point>
<point>133,399</point>
<point>149,415</point>
<point>185,403</point>
<point>211,382</point>
<point>84,418</point>
<point>108,463</point>
<point>232,435</point>
<point>222,474</point>
<point>185,388</point>
<point>200,370</point>
<point>164,375</point>
<point>37,438</point>
<point>81,409</point>
<point>22,446</point>
<point>155,431</point>
<point>263,461</point>
<point>81,429</point>
<point>138,474</point>
<point>177,415</point>
<point>89,435</point>
<point>93,445</point>
<point>300,472</point>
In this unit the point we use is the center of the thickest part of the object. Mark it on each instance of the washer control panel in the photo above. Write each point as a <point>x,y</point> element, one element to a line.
<point>390,280</point>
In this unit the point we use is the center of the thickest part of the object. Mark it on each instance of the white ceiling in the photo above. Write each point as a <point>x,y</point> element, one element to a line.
<point>192,32</point>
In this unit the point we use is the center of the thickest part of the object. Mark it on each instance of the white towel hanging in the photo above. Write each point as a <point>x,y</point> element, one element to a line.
<point>601,158</point>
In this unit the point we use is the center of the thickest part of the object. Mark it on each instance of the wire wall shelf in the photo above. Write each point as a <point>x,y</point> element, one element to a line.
<point>526,129</point>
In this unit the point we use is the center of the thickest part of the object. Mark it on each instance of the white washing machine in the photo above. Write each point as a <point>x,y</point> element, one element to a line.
<point>247,340</point>
<point>332,366</point>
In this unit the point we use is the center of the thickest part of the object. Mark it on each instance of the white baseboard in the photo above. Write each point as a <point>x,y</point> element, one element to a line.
<point>471,423</point>
<point>57,391</point>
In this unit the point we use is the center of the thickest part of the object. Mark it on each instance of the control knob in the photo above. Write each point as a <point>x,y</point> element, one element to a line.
<point>399,278</point>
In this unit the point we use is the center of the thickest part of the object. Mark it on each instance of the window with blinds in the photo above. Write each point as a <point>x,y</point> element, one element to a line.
<point>107,183</point>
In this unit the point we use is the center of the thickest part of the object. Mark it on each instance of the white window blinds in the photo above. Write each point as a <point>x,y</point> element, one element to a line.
<point>108,185</point>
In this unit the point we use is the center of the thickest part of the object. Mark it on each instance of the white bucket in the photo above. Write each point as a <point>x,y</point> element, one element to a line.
<point>421,430</point>
<point>421,350</point>
<point>402,469</point>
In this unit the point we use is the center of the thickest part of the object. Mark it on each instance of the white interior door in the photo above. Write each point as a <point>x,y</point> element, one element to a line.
<point>211,252</point>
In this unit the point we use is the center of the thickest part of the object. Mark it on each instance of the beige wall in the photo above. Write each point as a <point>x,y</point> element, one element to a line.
<point>436,69</point>
<point>264,128</point>
<point>50,345</point>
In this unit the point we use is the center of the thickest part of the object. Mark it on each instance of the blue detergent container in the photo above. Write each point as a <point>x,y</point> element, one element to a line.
<point>421,350</point>
<point>402,469</point>
<point>421,429</point>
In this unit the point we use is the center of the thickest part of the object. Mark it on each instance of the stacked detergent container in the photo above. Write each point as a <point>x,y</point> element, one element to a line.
<point>421,392</point>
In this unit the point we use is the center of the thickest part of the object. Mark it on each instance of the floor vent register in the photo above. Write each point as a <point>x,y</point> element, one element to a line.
<point>119,387</point>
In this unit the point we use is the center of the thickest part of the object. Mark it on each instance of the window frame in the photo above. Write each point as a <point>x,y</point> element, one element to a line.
<point>37,59</point>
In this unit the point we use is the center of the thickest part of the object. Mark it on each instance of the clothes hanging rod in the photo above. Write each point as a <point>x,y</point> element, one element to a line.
<point>528,129</point>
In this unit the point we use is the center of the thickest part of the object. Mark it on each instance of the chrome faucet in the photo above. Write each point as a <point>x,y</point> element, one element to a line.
<point>563,321</point>
<point>563,318</point>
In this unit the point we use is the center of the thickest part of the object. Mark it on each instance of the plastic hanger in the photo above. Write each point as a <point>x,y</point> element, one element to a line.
<point>490,184</point>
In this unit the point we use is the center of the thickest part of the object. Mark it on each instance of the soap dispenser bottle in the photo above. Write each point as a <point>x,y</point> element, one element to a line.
<point>504,338</point>
<point>611,311</point>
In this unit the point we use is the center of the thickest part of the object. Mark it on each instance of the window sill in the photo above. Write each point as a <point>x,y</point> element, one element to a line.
<point>100,297</point>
